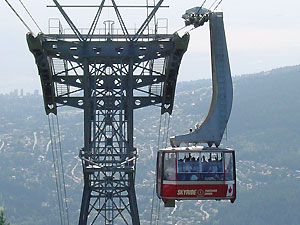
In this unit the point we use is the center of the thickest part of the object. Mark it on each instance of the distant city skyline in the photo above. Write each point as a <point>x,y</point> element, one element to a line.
<point>261,35</point>
<point>21,92</point>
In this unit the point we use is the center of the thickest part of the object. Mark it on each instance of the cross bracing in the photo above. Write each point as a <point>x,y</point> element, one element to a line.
<point>147,84</point>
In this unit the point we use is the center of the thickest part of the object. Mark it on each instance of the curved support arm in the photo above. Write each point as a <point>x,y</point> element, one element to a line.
<point>43,63</point>
<point>212,129</point>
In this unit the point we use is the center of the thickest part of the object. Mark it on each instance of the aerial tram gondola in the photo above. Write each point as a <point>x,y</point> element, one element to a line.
<point>195,173</point>
<point>187,170</point>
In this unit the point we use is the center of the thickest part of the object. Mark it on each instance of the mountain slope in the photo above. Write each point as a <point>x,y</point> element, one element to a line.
<point>263,129</point>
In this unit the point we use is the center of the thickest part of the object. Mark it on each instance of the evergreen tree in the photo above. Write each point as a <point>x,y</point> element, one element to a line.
<point>2,219</point>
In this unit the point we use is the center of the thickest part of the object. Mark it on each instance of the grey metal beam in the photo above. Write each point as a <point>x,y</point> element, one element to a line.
<point>69,21</point>
<point>172,70</point>
<point>109,82</point>
<point>108,51</point>
<point>85,202</point>
<point>129,112</point>
<point>108,6</point>
<point>112,36</point>
<point>45,71</point>
<point>121,21</point>
<point>109,103</point>
<point>95,22</point>
<point>84,211</point>
<point>147,21</point>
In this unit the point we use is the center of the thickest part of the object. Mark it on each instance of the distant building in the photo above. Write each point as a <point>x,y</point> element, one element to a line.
<point>14,93</point>
<point>36,92</point>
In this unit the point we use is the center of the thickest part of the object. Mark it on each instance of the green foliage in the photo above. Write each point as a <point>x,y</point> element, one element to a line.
<point>2,219</point>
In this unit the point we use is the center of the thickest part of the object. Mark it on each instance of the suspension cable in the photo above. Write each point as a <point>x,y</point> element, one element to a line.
<point>30,16</point>
<point>153,193</point>
<point>157,213</point>
<point>202,4</point>
<point>55,171</point>
<point>58,169</point>
<point>164,145</point>
<point>157,203</point>
<point>12,8</point>
<point>152,204</point>
<point>217,5</point>
<point>63,171</point>
<point>161,143</point>
<point>164,131</point>
<point>168,129</point>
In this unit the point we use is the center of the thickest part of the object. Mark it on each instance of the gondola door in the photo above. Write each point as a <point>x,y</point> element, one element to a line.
<point>159,166</point>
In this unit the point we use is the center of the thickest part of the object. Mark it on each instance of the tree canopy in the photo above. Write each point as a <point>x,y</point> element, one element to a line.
<point>2,219</point>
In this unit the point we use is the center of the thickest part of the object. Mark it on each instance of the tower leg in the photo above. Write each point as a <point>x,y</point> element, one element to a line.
<point>133,201</point>
<point>86,196</point>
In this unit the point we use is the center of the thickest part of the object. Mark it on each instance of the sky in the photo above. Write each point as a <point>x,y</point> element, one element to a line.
<point>261,35</point>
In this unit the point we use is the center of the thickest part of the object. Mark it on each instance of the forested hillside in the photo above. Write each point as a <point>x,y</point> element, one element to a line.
<point>263,129</point>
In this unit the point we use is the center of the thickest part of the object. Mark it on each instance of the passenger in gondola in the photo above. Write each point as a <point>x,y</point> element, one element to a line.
<point>187,159</point>
<point>187,167</point>
<point>218,176</point>
<point>181,176</point>
<point>180,165</point>
<point>170,173</point>
<point>204,164</point>
<point>195,167</point>
<point>170,169</point>
<point>194,177</point>
<point>209,158</point>
<point>214,168</point>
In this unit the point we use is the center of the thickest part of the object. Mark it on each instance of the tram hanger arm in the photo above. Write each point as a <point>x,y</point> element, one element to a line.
<point>212,129</point>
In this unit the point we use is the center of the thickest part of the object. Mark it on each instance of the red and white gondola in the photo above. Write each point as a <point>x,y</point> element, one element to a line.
<point>195,173</point>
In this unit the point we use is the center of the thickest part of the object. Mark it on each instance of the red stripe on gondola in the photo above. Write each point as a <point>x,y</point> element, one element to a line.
<point>196,191</point>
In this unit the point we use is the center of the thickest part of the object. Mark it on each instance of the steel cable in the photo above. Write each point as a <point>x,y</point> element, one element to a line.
<point>217,5</point>
<point>31,16</point>
<point>153,194</point>
<point>58,168</point>
<point>55,170</point>
<point>160,144</point>
<point>12,8</point>
<point>63,171</point>
<point>168,129</point>
<point>157,213</point>
<point>55,141</point>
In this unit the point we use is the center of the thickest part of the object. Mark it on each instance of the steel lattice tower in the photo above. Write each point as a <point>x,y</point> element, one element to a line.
<point>108,76</point>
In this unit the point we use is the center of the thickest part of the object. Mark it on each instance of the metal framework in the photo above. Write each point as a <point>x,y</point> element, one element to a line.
<point>108,76</point>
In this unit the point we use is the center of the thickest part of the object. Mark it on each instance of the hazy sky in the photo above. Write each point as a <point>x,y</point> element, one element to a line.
<point>261,35</point>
